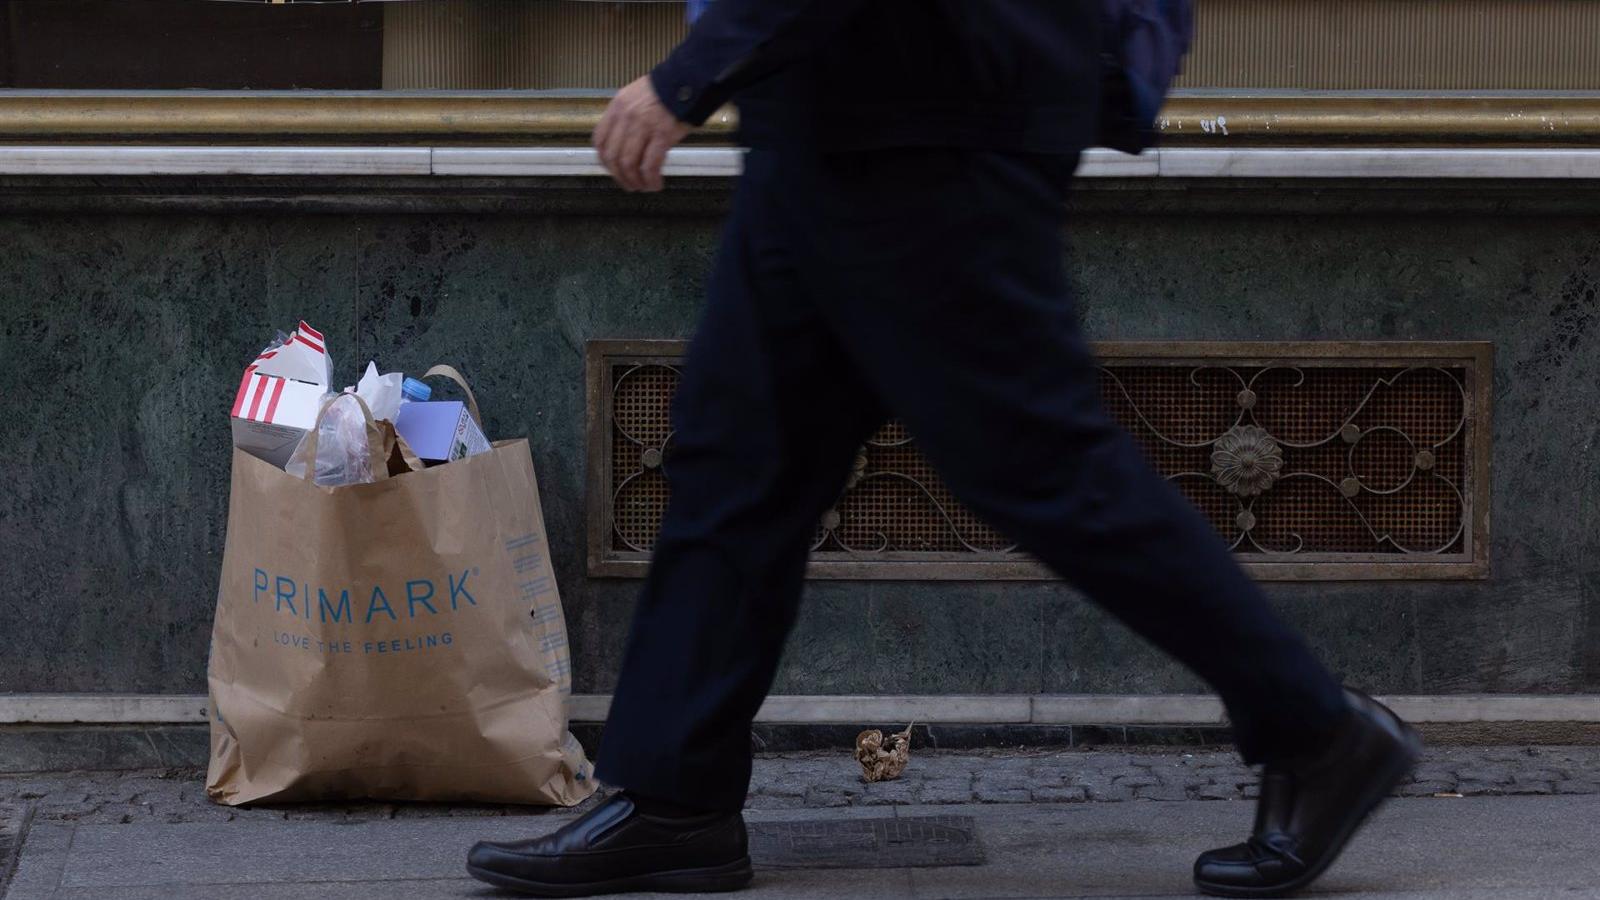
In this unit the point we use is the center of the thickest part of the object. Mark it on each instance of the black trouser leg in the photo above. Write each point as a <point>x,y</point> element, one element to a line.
<point>941,273</point>
<point>767,422</point>
<point>930,279</point>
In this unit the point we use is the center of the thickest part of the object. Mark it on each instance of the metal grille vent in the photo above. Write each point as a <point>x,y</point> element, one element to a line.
<point>1312,460</point>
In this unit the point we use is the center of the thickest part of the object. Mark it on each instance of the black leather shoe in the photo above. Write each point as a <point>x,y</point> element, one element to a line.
<point>1309,809</point>
<point>616,848</point>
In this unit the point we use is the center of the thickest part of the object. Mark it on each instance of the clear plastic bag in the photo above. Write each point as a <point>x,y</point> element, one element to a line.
<point>343,453</point>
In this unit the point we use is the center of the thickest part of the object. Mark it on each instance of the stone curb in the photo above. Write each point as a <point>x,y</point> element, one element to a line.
<point>832,780</point>
<point>14,819</point>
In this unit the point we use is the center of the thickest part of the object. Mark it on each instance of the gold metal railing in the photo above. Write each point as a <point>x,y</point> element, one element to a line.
<point>499,117</point>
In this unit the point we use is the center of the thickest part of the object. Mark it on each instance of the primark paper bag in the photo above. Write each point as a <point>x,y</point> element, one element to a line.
<point>395,640</point>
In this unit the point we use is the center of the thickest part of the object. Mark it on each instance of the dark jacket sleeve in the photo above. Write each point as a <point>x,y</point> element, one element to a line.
<point>739,42</point>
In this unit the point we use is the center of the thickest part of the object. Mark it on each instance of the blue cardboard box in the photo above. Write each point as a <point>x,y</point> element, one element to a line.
<point>440,430</point>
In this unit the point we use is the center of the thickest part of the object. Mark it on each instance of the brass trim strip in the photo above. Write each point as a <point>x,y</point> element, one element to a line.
<point>522,117</point>
<point>1303,119</point>
<point>295,117</point>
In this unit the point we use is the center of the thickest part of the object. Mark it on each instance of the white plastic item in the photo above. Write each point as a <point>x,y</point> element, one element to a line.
<point>381,392</point>
<point>343,455</point>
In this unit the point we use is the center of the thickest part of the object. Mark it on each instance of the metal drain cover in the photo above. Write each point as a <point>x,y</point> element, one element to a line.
<point>866,843</point>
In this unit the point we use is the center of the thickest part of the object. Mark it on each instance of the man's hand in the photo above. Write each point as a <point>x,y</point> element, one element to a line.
<point>634,135</point>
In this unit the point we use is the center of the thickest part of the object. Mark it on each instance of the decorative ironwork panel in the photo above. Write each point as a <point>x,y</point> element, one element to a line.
<point>1312,460</point>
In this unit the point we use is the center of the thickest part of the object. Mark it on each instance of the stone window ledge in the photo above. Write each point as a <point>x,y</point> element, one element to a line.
<point>715,162</point>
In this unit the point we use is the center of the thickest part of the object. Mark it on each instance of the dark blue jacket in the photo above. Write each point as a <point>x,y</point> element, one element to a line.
<point>854,74</point>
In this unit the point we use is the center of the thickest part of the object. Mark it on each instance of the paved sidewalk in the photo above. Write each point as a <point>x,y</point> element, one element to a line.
<point>1052,824</point>
<point>1488,847</point>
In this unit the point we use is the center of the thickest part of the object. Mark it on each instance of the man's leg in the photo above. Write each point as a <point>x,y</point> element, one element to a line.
<point>767,422</point>
<point>941,272</point>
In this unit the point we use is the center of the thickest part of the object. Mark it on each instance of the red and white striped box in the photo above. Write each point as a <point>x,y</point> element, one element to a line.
<point>280,395</point>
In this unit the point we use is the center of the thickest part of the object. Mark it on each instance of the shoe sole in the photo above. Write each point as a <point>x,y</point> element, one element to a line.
<point>1397,771</point>
<point>717,879</point>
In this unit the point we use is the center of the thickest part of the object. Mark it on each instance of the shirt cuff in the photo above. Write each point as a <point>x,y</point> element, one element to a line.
<point>681,93</point>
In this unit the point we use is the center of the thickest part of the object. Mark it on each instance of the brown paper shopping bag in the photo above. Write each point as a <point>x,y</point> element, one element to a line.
<point>395,640</point>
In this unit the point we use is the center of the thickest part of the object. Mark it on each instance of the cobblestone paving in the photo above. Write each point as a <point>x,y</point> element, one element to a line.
<point>817,780</point>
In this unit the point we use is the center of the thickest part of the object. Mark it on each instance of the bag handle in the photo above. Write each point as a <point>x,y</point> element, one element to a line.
<point>375,457</point>
<point>451,373</point>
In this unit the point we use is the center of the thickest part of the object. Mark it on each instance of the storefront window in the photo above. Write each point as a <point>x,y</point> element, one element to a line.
<point>537,72</point>
<point>397,45</point>
<point>1305,45</point>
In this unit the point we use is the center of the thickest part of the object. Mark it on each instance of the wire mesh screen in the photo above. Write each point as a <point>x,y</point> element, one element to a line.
<point>1313,462</point>
<point>1343,460</point>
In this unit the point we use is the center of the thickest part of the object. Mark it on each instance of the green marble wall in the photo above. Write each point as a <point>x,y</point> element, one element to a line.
<point>128,307</point>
